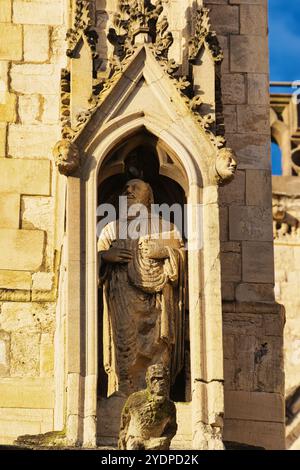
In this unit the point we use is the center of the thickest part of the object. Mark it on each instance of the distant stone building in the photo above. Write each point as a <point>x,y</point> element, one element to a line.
<point>89,98</point>
<point>286,224</point>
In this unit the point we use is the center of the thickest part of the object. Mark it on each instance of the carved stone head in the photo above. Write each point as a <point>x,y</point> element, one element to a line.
<point>225,166</point>
<point>66,155</point>
<point>158,380</point>
<point>138,192</point>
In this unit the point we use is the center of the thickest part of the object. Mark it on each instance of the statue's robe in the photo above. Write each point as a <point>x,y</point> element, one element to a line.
<point>143,307</point>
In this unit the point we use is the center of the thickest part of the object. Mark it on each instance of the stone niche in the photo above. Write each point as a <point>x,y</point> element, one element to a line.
<point>143,120</point>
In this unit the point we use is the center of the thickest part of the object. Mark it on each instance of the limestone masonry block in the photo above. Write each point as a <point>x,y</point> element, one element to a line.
<point>9,210</point>
<point>233,88</point>
<point>21,250</point>
<point>26,393</point>
<point>25,176</point>
<point>8,108</point>
<point>27,141</point>
<point>11,42</point>
<point>5,11</point>
<point>36,43</point>
<point>231,266</point>
<point>250,223</point>
<point>258,188</point>
<point>35,78</point>
<point>253,20</point>
<point>258,88</point>
<point>42,281</point>
<point>231,13</point>
<point>25,347</point>
<point>253,119</point>
<point>29,109</point>
<point>38,11</point>
<point>248,54</point>
<point>3,129</point>
<point>15,280</point>
<point>46,355</point>
<point>257,262</point>
<point>234,192</point>
<point>252,292</point>
<point>251,153</point>
<point>17,316</point>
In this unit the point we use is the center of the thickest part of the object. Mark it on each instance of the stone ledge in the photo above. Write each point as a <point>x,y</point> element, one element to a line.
<point>253,307</point>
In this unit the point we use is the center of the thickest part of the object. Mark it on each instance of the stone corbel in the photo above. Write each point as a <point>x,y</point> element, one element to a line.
<point>224,167</point>
<point>66,157</point>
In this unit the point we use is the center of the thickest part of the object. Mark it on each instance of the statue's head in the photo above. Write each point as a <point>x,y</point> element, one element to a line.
<point>158,380</point>
<point>225,165</point>
<point>66,156</point>
<point>138,192</point>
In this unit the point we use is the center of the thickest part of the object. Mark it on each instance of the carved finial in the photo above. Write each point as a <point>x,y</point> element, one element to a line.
<point>66,156</point>
<point>202,35</point>
<point>225,166</point>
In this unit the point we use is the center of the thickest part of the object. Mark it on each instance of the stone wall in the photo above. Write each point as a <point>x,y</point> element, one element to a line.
<point>31,56</point>
<point>252,322</point>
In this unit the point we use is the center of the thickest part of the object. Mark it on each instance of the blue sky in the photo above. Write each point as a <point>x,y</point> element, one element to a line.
<point>284,37</point>
<point>284,34</point>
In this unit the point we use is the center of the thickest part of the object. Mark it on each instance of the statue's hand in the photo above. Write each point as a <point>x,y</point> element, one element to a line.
<point>116,255</point>
<point>153,250</point>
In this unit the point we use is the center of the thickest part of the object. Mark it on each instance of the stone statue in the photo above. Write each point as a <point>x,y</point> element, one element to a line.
<point>225,166</point>
<point>148,418</point>
<point>143,295</point>
<point>66,156</point>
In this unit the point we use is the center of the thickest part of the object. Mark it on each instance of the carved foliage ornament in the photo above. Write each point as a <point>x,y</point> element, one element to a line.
<point>203,35</point>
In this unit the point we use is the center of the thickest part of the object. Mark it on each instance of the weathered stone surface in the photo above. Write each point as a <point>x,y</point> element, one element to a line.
<point>3,129</point>
<point>251,153</point>
<point>253,20</point>
<point>8,108</point>
<point>25,176</point>
<point>28,141</point>
<point>230,117</point>
<point>36,43</point>
<point>25,346</point>
<point>18,316</point>
<point>15,422</point>
<point>21,250</point>
<point>35,78</point>
<point>5,11</point>
<point>233,88</point>
<point>45,12</point>
<point>250,223</point>
<point>29,109</point>
<point>252,292</point>
<point>234,192</point>
<point>258,262</point>
<point>46,355</point>
<point>42,281</point>
<point>4,351</point>
<point>15,280</point>
<point>231,267</point>
<point>253,119</point>
<point>9,210</point>
<point>38,213</point>
<point>231,13</point>
<point>11,42</point>
<point>256,406</point>
<point>258,188</point>
<point>248,54</point>
<point>270,436</point>
<point>258,88</point>
<point>26,393</point>
<point>228,293</point>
